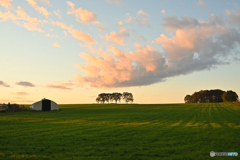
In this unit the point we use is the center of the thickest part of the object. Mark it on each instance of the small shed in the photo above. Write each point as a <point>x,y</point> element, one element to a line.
<point>44,105</point>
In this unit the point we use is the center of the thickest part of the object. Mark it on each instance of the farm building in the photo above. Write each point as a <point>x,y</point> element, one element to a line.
<point>44,105</point>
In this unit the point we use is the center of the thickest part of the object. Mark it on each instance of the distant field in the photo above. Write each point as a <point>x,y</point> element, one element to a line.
<point>161,131</point>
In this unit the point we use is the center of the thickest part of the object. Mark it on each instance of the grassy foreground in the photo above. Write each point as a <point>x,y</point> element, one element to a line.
<point>164,131</point>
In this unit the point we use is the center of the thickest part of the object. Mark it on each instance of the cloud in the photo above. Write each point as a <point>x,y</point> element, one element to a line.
<point>118,70</point>
<point>16,101</point>
<point>118,2</point>
<point>115,38</point>
<point>60,85</point>
<point>192,36</point>
<point>46,1</point>
<point>201,3</point>
<point>76,34</point>
<point>120,23</point>
<point>41,10</point>
<point>49,35</point>
<point>234,17</point>
<point>28,22</point>
<point>90,48</point>
<point>4,84</point>
<point>57,13</point>
<point>25,84</point>
<point>62,25</point>
<point>82,36</point>
<point>82,16</point>
<point>22,19</point>
<point>55,44</point>
<point>141,12</point>
<point>193,46</point>
<point>7,15</point>
<point>118,38</point>
<point>6,4</point>
<point>142,20</point>
<point>65,33</point>
<point>163,12</point>
<point>100,28</point>
<point>21,93</point>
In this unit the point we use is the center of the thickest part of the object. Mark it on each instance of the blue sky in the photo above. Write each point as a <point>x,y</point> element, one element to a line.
<point>162,50</point>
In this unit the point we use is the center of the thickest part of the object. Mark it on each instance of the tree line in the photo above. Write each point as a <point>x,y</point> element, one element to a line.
<point>109,97</point>
<point>208,96</point>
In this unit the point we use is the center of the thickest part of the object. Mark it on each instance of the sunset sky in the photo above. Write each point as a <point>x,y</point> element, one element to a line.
<point>159,50</point>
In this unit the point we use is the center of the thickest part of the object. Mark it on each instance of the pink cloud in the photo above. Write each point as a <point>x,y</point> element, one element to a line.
<point>46,1</point>
<point>107,72</point>
<point>140,20</point>
<point>62,25</point>
<point>57,13</point>
<point>60,85</point>
<point>163,12</point>
<point>118,38</point>
<point>193,46</point>
<point>6,4</point>
<point>76,34</point>
<point>55,44</point>
<point>201,3</point>
<point>141,12</point>
<point>25,20</point>
<point>83,16</point>
<point>234,16</point>
<point>41,10</point>
<point>7,15</point>
<point>82,36</point>
<point>21,93</point>
<point>49,35</point>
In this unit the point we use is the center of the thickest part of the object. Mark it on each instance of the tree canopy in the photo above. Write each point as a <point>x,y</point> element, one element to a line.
<point>207,96</point>
<point>107,97</point>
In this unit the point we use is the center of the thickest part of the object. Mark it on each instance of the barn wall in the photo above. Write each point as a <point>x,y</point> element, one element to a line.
<point>36,106</point>
<point>54,106</point>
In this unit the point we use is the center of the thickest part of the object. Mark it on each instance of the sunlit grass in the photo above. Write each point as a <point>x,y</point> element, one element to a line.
<point>167,131</point>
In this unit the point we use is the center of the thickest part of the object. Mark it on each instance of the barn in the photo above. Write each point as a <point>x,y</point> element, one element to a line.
<point>44,105</point>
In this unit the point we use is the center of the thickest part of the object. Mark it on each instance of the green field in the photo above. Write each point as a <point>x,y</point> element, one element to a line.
<point>161,131</point>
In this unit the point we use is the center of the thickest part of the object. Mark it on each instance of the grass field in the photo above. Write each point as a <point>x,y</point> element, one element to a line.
<point>161,131</point>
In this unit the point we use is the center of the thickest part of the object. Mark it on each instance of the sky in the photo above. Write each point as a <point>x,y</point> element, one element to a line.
<point>159,50</point>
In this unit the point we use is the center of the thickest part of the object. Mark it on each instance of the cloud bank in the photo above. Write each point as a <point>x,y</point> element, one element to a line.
<point>194,46</point>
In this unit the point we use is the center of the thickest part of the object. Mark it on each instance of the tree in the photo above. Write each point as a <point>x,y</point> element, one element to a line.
<point>127,97</point>
<point>107,97</point>
<point>206,96</point>
<point>98,99</point>
<point>187,98</point>
<point>116,97</point>
<point>231,96</point>
<point>101,98</point>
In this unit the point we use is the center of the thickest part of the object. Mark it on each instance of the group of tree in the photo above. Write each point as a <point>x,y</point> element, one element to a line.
<point>208,96</point>
<point>109,97</point>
